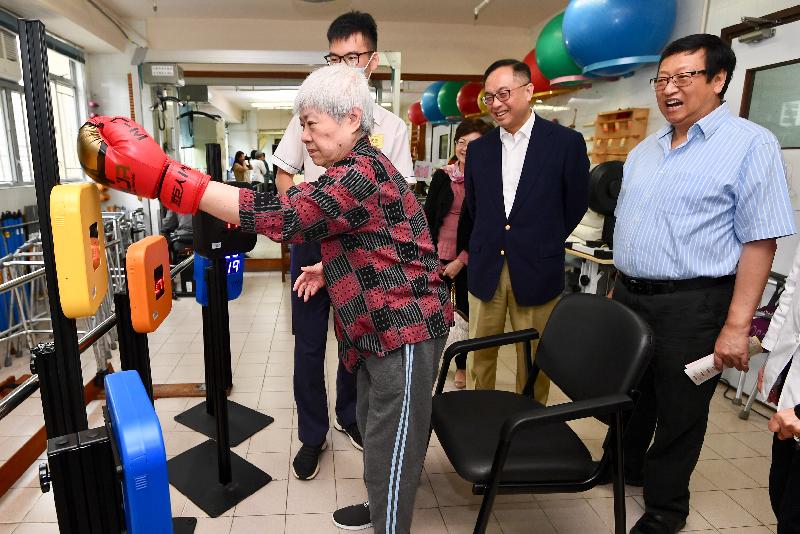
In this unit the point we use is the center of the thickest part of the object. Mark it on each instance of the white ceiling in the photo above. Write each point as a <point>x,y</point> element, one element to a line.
<point>516,13</point>
<point>281,93</point>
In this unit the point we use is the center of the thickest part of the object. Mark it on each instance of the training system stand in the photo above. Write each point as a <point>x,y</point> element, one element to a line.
<point>235,479</point>
<point>62,398</point>
<point>134,352</point>
<point>88,464</point>
<point>243,422</point>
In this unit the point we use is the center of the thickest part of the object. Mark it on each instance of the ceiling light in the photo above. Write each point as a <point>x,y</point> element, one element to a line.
<point>272,105</point>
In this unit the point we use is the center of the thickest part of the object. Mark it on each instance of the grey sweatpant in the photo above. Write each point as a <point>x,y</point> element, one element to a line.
<point>394,416</point>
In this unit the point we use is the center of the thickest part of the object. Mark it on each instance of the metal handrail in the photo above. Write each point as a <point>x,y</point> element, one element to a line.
<point>21,225</point>
<point>24,390</point>
<point>11,284</point>
<point>96,333</point>
<point>18,395</point>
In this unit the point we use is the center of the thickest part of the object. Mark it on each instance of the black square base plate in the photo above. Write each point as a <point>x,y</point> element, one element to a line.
<point>243,422</point>
<point>184,525</point>
<point>194,473</point>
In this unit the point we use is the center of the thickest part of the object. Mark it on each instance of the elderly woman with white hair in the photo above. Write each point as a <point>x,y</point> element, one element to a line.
<point>392,312</point>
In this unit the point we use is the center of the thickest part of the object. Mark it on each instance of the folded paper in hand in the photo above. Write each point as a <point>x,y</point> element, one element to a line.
<point>701,370</point>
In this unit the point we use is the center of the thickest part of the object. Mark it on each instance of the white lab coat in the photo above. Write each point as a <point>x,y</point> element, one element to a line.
<point>783,341</point>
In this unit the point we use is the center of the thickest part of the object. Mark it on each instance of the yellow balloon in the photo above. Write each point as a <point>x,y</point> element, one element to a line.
<point>484,107</point>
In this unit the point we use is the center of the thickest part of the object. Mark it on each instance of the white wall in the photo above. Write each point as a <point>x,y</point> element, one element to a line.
<point>15,198</point>
<point>723,13</point>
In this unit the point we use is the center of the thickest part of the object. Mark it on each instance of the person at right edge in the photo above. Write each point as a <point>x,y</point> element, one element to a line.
<point>702,202</point>
<point>779,381</point>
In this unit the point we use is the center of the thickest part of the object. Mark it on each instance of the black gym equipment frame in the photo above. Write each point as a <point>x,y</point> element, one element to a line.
<point>85,468</point>
<point>235,479</point>
<point>62,398</point>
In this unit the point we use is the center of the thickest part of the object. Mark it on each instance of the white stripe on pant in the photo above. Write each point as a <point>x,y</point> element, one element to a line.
<point>394,413</point>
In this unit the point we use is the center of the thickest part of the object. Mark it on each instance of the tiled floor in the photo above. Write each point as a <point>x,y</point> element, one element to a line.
<point>729,492</point>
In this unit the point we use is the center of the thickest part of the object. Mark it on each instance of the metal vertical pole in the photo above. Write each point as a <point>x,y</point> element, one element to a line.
<point>134,351</point>
<point>217,296</point>
<point>66,414</point>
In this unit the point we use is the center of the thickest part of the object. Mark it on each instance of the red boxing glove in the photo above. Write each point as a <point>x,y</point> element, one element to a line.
<point>118,153</point>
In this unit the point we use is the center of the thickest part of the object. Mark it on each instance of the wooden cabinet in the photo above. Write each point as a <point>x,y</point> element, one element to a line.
<point>417,141</point>
<point>616,133</point>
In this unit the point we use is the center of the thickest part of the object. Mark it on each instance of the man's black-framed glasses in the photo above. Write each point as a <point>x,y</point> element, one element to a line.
<point>350,58</point>
<point>682,79</point>
<point>502,95</point>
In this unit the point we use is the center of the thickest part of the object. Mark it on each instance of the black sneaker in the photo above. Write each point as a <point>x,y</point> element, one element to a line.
<point>352,433</point>
<point>305,465</point>
<point>355,517</point>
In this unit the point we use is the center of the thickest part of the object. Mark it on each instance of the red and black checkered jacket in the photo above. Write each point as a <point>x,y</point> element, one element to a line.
<point>378,258</point>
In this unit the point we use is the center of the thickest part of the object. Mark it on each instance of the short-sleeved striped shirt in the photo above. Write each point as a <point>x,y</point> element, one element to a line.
<point>686,212</point>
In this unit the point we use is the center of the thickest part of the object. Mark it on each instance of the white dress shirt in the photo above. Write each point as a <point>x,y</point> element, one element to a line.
<point>783,342</point>
<point>389,134</point>
<point>515,146</point>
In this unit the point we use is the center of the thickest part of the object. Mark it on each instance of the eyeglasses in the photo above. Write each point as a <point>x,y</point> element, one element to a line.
<point>502,95</point>
<point>462,142</point>
<point>350,58</point>
<point>682,79</point>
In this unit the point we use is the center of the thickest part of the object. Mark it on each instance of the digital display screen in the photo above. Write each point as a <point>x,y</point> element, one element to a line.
<point>158,281</point>
<point>234,263</point>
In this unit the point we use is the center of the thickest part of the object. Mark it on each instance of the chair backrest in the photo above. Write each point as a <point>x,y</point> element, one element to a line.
<point>594,346</point>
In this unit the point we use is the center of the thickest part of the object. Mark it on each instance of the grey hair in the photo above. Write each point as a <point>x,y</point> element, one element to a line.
<point>336,90</point>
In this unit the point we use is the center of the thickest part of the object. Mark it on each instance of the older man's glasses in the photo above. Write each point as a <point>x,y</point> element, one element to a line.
<point>682,79</point>
<point>502,95</point>
<point>350,58</point>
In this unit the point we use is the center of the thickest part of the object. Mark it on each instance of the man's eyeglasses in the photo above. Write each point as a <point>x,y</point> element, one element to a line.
<point>682,79</point>
<point>350,58</point>
<point>502,95</point>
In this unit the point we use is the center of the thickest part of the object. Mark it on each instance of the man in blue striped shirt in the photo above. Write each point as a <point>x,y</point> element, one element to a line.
<point>701,205</point>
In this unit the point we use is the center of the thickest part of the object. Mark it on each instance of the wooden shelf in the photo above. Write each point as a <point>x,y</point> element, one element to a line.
<point>617,132</point>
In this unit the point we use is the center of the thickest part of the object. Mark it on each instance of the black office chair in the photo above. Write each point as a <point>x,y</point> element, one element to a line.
<point>595,350</point>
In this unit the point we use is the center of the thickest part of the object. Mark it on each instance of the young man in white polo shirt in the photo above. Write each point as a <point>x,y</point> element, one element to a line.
<point>352,39</point>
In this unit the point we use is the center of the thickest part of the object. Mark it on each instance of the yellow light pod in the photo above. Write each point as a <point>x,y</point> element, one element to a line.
<point>483,107</point>
<point>79,247</point>
<point>149,283</point>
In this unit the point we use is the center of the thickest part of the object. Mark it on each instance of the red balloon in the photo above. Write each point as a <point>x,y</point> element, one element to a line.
<point>467,98</point>
<point>540,83</point>
<point>415,114</point>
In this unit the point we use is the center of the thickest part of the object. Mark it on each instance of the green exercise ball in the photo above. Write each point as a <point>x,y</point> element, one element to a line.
<point>447,99</point>
<point>551,53</point>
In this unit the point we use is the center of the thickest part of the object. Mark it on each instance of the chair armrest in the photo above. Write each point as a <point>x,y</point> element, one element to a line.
<point>478,343</point>
<point>550,414</point>
<point>561,413</point>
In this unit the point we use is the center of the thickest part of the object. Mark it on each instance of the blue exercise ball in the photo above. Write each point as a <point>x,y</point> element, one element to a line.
<point>430,103</point>
<point>615,37</point>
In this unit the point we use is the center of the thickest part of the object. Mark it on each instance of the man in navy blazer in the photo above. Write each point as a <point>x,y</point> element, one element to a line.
<point>526,186</point>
